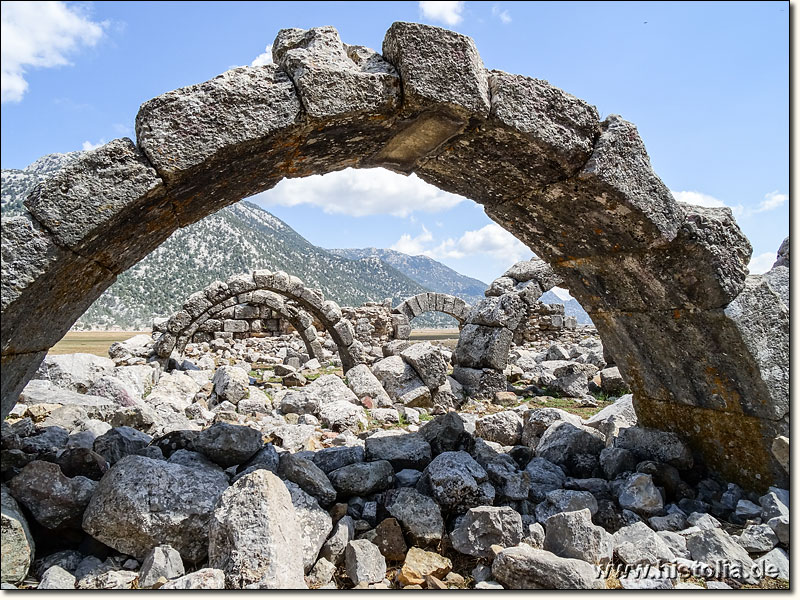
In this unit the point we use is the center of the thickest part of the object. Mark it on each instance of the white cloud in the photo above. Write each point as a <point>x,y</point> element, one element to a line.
<point>771,201</point>
<point>491,240</point>
<point>448,13</point>
<point>503,15</point>
<point>762,263</point>
<point>87,145</point>
<point>562,293</point>
<point>263,59</point>
<point>361,192</point>
<point>40,34</point>
<point>413,246</point>
<point>701,199</point>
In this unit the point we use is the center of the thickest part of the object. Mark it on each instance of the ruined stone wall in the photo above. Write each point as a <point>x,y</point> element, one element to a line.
<point>242,321</point>
<point>372,322</point>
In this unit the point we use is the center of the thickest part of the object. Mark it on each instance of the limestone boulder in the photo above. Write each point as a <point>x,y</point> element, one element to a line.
<point>18,547</point>
<point>74,372</point>
<point>228,445</point>
<point>364,384</point>
<point>457,482</point>
<point>53,499</point>
<point>402,450</point>
<point>141,503</point>
<point>503,427</point>
<point>419,515</point>
<point>485,526</point>
<point>572,535</point>
<point>254,535</point>
<point>525,568</point>
<point>314,523</point>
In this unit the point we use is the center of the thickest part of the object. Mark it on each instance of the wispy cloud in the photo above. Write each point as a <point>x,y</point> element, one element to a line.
<point>40,34</point>
<point>771,201</point>
<point>265,58</point>
<point>87,145</point>
<point>448,13</point>
<point>362,192</point>
<point>501,14</point>
<point>762,263</point>
<point>415,245</point>
<point>491,240</point>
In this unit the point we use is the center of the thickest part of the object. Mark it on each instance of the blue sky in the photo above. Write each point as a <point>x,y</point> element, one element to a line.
<point>707,84</point>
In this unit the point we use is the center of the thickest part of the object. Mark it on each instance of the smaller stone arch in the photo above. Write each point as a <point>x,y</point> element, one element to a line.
<point>240,289</point>
<point>426,302</point>
<point>251,309</point>
<point>492,324</point>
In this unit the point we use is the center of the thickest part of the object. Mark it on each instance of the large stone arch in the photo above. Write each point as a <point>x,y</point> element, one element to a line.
<point>255,287</point>
<point>427,302</point>
<point>704,346</point>
<point>201,317</point>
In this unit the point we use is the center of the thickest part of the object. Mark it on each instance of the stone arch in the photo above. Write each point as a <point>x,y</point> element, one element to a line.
<point>219,295</point>
<point>297,317</point>
<point>704,346</point>
<point>414,306</point>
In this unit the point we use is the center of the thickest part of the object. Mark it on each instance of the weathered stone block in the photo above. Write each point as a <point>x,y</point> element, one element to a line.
<point>480,346</point>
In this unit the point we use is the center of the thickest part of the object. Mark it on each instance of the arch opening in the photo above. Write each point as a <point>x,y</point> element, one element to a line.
<point>665,284</point>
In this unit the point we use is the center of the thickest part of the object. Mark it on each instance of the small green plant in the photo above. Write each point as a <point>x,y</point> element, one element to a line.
<point>402,420</point>
<point>425,417</point>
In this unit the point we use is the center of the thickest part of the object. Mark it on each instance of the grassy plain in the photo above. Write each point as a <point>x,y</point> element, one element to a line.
<point>91,342</point>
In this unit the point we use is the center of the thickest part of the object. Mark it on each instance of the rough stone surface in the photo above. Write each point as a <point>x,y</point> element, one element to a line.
<point>18,546</point>
<point>314,522</point>
<point>419,515</point>
<point>254,535</point>
<point>228,445</point>
<point>572,535</point>
<point>141,503</point>
<point>162,561</point>
<point>485,526</point>
<point>364,562</point>
<point>53,500</point>
<point>526,568</point>
<point>402,450</point>
<point>456,482</point>
<point>362,479</point>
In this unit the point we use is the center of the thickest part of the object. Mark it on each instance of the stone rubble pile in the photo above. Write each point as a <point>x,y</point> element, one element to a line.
<point>212,472</point>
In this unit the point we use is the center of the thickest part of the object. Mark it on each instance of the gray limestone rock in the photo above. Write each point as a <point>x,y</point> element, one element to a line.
<point>402,450</point>
<point>254,535</point>
<point>308,476</point>
<point>651,444</point>
<point>485,526</point>
<point>640,495</point>
<point>53,500</point>
<point>572,535</point>
<point>334,547</point>
<point>362,479</point>
<point>18,545</point>
<point>228,445</point>
<point>204,579</point>
<point>364,384</point>
<point>162,561</point>
<point>231,383</point>
<point>637,544</point>
<point>364,562</point>
<point>314,522</point>
<point>428,362</point>
<point>503,427</point>
<point>419,515</point>
<point>56,578</point>
<point>526,568</point>
<point>456,482</point>
<point>141,503</point>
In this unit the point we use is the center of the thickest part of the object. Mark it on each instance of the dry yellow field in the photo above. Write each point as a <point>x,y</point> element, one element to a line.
<point>91,342</point>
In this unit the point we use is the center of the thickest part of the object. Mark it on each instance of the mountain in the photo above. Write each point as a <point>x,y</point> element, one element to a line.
<point>244,237</point>
<point>433,275</point>
<point>238,238</point>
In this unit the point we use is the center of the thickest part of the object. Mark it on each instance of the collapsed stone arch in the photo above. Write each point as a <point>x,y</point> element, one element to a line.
<point>414,306</point>
<point>704,346</point>
<point>256,287</point>
<point>210,319</point>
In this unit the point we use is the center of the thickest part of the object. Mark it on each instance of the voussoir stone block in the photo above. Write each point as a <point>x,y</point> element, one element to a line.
<point>334,79</point>
<point>229,125</point>
<point>108,205</point>
<point>440,69</point>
